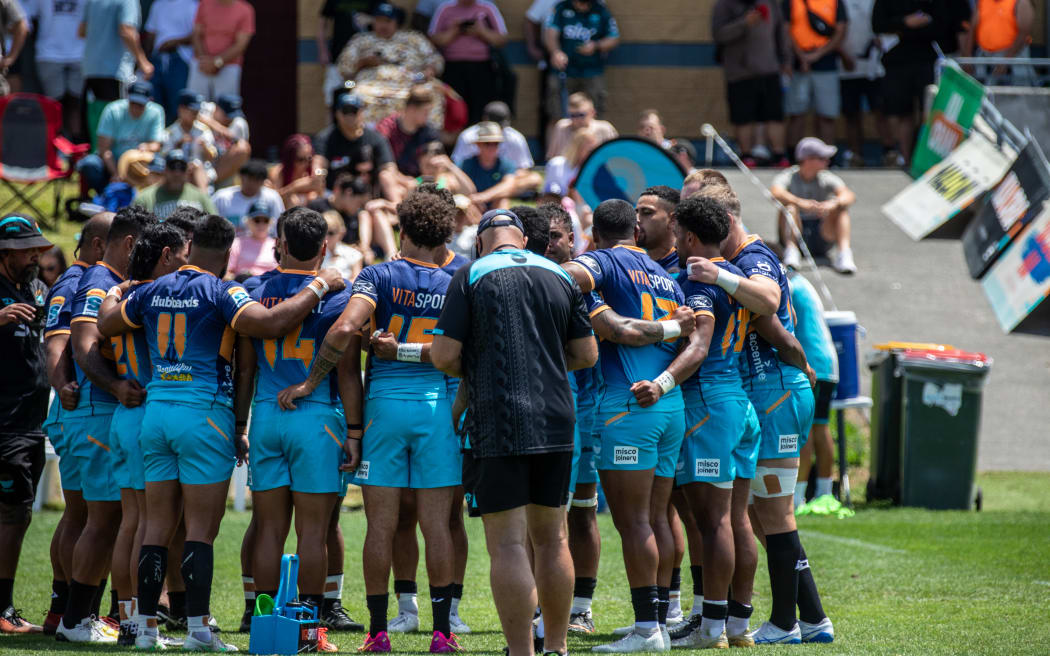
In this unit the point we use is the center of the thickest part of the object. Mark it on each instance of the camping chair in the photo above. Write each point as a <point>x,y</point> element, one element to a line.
<point>34,157</point>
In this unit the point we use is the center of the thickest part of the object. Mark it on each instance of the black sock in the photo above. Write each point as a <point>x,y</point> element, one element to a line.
<point>676,578</point>
<point>198,563</point>
<point>584,587</point>
<point>697,573</point>
<point>153,567</point>
<point>645,600</point>
<point>249,604</point>
<point>737,609</point>
<point>663,603</point>
<point>782,556</point>
<point>114,605</point>
<point>715,611</point>
<point>7,589</point>
<point>316,599</point>
<point>376,613</point>
<point>809,607</point>
<point>96,603</point>
<point>404,586</point>
<point>81,596</point>
<point>441,605</point>
<point>177,604</point>
<point>457,590</point>
<point>59,595</point>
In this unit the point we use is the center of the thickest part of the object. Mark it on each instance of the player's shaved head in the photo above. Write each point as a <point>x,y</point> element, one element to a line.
<point>304,231</point>
<point>537,228</point>
<point>704,217</point>
<point>426,219</point>
<point>214,233</point>
<point>614,219</point>
<point>97,227</point>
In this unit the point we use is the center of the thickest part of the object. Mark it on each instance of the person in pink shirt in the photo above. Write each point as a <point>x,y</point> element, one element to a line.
<point>221,33</point>
<point>466,31</point>
<point>252,252</point>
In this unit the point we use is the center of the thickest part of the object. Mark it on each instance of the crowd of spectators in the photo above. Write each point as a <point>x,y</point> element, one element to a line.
<point>427,97</point>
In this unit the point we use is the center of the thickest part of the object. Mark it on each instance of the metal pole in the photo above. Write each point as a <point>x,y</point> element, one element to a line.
<point>840,422</point>
<point>711,133</point>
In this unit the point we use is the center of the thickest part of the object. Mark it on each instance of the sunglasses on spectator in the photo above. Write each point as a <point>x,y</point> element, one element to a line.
<point>177,166</point>
<point>262,218</point>
<point>577,114</point>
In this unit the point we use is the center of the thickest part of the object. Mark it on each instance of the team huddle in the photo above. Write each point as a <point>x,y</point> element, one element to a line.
<point>167,377</point>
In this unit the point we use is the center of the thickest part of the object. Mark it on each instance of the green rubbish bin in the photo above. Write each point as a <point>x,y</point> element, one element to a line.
<point>940,421</point>
<point>884,481</point>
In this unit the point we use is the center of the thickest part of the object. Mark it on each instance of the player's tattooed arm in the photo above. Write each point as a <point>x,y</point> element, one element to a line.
<point>685,364</point>
<point>357,312</point>
<point>639,332</point>
<point>788,348</point>
<point>244,390</point>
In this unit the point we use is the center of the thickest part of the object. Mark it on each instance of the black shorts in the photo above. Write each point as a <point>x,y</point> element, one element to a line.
<point>823,393</point>
<point>21,464</point>
<point>507,482</point>
<point>755,100</point>
<point>904,86</point>
<point>855,91</point>
<point>818,246</point>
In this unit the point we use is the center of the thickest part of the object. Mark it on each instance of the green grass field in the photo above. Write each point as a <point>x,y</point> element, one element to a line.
<point>899,581</point>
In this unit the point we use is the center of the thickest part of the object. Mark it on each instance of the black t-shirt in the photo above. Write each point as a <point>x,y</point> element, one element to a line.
<point>514,312</point>
<point>365,155</point>
<point>322,205</point>
<point>24,389</point>
<point>916,45</point>
<point>343,26</point>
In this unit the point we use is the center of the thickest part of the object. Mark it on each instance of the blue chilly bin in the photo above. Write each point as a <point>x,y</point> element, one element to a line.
<point>284,625</point>
<point>845,334</point>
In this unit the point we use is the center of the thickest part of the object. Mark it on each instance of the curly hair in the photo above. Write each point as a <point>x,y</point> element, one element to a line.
<point>441,192</point>
<point>704,217</point>
<point>149,247</point>
<point>426,219</point>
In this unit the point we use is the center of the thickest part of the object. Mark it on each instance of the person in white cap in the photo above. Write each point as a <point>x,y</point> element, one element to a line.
<point>819,202</point>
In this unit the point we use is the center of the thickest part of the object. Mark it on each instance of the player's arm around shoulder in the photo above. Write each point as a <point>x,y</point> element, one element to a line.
<point>254,320</point>
<point>757,292</point>
<point>244,390</point>
<point>788,347</point>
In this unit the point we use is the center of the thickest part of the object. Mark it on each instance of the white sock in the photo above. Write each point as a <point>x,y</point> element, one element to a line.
<point>333,586</point>
<point>455,606</point>
<point>198,624</point>
<point>674,608</point>
<point>581,604</point>
<point>144,627</point>
<point>539,628</point>
<point>823,486</point>
<point>711,628</point>
<point>736,625</point>
<point>646,628</point>
<point>406,603</point>
<point>800,493</point>
<point>698,606</point>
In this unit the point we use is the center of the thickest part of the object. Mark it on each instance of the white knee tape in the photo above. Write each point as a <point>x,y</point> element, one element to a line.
<point>772,482</point>
<point>592,502</point>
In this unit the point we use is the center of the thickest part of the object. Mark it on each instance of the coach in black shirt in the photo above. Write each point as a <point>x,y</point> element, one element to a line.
<point>513,326</point>
<point>23,397</point>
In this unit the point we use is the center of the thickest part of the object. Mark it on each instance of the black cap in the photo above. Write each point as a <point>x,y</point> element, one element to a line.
<point>496,111</point>
<point>386,10</point>
<point>254,168</point>
<point>350,99</point>
<point>140,92</point>
<point>231,104</point>
<point>173,156</point>
<point>19,233</point>
<point>499,219</point>
<point>190,99</point>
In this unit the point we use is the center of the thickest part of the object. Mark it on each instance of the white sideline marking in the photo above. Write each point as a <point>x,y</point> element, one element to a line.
<point>1041,582</point>
<point>854,542</point>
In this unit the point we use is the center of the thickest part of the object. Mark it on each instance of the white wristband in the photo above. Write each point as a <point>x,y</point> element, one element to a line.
<point>319,287</point>
<point>671,328</point>
<point>115,292</point>
<point>727,281</point>
<point>409,352</point>
<point>665,381</point>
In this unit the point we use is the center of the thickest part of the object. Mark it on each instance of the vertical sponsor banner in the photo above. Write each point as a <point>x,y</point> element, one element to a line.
<point>1020,279</point>
<point>948,187</point>
<point>957,101</point>
<point>1007,209</point>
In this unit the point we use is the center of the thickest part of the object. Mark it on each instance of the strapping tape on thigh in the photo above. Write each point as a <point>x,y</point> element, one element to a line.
<point>585,503</point>
<point>772,482</point>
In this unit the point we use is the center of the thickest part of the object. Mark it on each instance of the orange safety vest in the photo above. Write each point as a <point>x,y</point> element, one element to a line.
<point>996,24</point>
<point>803,34</point>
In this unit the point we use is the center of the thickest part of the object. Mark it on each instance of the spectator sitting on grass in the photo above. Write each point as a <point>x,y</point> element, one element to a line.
<point>436,167</point>
<point>350,196</point>
<point>497,180</point>
<point>252,250</point>
<point>228,126</point>
<point>174,191</point>
<point>651,127</point>
<point>581,115</point>
<point>340,256</point>
<point>300,175</point>
<point>407,131</point>
<point>563,169</point>
<point>818,200</point>
<point>134,123</point>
